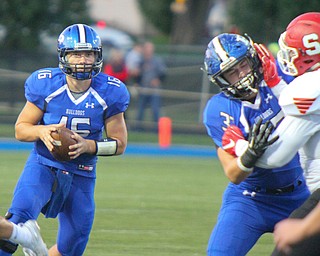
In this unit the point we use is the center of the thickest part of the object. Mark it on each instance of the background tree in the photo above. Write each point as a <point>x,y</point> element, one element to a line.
<point>184,28</point>
<point>263,20</point>
<point>25,20</point>
<point>158,13</point>
<point>189,26</point>
<point>266,20</point>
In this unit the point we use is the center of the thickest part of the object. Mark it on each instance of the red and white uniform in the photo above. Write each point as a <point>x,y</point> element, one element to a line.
<point>300,130</point>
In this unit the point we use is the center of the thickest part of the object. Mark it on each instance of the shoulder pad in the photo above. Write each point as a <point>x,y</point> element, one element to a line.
<point>301,96</point>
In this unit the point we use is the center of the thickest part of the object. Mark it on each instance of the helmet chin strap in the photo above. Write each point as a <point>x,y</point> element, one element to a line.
<point>254,90</point>
<point>86,72</point>
<point>246,82</point>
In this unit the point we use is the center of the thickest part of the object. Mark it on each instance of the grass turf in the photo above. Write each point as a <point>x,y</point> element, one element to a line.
<point>144,205</point>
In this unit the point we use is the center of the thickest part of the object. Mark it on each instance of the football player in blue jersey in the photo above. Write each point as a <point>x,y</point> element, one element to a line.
<point>255,198</point>
<point>92,104</point>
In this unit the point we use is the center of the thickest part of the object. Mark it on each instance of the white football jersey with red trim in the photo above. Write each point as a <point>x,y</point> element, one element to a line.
<point>300,129</point>
<point>301,97</point>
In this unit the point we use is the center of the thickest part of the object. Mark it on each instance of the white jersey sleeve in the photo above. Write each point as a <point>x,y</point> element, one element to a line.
<point>300,103</point>
<point>310,162</point>
<point>279,88</point>
<point>301,97</point>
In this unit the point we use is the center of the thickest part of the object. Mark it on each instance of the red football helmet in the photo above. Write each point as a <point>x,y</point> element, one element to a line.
<point>300,45</point>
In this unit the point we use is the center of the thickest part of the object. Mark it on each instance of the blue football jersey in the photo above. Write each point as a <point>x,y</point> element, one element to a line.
<point>48,90</point>
<point>221,112</point>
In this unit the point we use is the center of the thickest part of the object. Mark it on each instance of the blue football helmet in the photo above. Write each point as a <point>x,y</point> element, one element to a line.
<point>80,37</point>
<point>223,52</point>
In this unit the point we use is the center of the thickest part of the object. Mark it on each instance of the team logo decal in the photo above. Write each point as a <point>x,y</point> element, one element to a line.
<point>269,97</point>
<point>89,105</point>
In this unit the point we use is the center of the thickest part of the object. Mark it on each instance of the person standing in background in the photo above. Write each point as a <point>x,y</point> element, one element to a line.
<point>116,66</point>
<point>133,60</point>
<point>151,75</point>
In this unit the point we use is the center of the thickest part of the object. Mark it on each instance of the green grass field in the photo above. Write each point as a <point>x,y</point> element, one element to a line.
<point>144,205</point>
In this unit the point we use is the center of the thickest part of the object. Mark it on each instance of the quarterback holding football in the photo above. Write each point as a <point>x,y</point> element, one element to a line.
<point>59,176</point>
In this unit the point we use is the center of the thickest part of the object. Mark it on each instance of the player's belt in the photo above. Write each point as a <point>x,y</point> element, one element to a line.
<point>276,191</point>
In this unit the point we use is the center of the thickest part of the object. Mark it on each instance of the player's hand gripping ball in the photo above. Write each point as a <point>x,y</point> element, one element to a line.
<point>62,141</point>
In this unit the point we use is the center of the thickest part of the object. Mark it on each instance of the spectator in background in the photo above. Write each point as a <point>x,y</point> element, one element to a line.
<point>133,60</point>
<point>151,75</point>
<point>116,66</point>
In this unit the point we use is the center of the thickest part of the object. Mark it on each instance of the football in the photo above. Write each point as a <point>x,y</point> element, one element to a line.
<point>62,141</point>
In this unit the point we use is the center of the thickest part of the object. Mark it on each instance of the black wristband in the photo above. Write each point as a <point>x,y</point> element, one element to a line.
<point>248,158</point>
